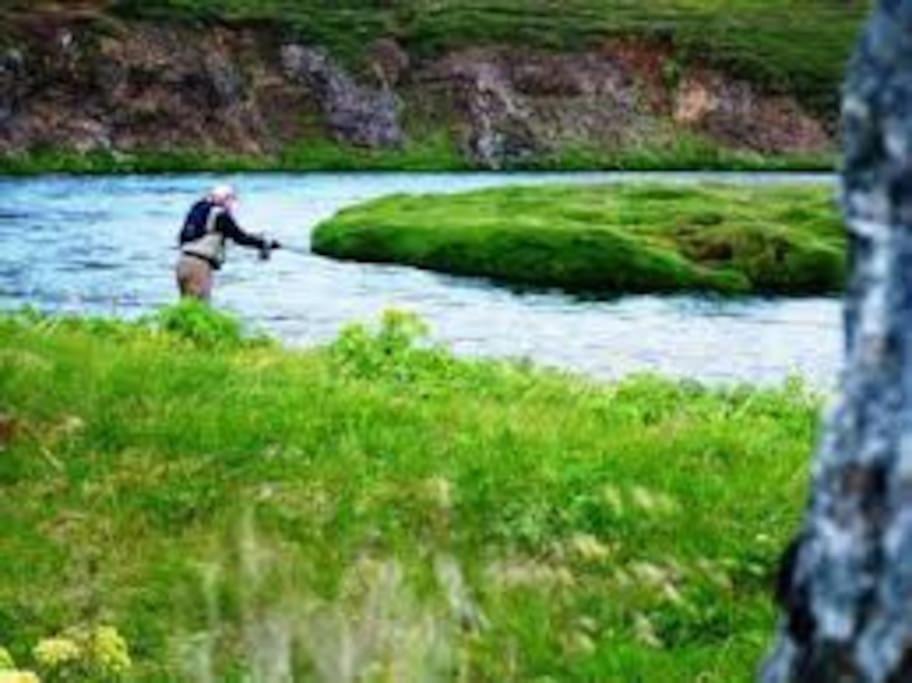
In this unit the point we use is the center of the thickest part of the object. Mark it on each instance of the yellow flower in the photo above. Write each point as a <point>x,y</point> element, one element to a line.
<point>110,651</point>
<point>644,632</point>
<point>52,653</point>
<point>6,660</point>
<point>439,491</point>
<point>18,677</point>
<point>649,574</point>
<point>531,574</point>
<point>589,548</point>
<point>611,496</point>
<point>653,502</point>
<point>579,643</point>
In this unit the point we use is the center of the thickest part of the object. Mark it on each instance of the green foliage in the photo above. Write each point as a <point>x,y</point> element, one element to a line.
<point>189,321</point>
<point>391,351</point>
<point>638,238</point>
<point>83,655</point>
<point>672,71</point>
<point>427,152</point>
<point>432,151</point>
<point>602,531</point>
<point>59,161</point>
<point>200,324</point>
<point>80,655</point>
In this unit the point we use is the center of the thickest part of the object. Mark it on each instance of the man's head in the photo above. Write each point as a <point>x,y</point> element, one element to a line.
<point>223,195</point>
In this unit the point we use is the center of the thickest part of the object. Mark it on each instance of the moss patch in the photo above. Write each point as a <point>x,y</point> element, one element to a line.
<point>611,239</point>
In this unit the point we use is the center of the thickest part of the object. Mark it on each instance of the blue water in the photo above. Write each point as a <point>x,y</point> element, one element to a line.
<point>105,245</point>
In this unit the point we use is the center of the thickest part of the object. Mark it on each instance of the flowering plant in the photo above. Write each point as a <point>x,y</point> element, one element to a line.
<point>6,660</point>
<point>79,655</point>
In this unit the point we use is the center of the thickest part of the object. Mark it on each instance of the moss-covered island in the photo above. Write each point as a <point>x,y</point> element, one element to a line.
<point>225,504</point>
<point>607,239</point>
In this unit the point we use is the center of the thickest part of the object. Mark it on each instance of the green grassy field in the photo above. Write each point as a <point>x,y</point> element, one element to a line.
<point>607,239</point>
<point>796,47</point>
<point>377,510</point>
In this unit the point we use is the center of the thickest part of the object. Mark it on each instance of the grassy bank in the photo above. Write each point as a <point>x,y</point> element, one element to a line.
<point>435,153</point>
<point>783,47</point>
<point>795,47</point>
<point>382,506</point>
<point>609,239</point>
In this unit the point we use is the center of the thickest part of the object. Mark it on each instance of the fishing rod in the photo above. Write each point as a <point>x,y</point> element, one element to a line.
<point>297,249</point>
<point>266,252</point>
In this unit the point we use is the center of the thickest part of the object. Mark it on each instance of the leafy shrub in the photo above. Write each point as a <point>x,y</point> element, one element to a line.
<point>392,349</point>
<point>200,324</point>
<point>6,660</point>
<point>12,676</point>
<point>79,655</point>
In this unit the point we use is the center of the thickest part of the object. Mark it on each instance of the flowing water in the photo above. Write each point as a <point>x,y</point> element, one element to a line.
<point>105,246</point>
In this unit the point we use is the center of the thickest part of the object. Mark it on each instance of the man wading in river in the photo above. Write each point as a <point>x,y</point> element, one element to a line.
<point>207,228</point>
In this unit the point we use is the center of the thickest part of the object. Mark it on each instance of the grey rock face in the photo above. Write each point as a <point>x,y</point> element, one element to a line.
<point>501,129</point>
<point>12,67</point>
<point>355,114</point>
<point>226,83</point>
<point>846,584</point>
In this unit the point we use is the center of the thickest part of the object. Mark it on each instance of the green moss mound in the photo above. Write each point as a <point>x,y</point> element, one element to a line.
<point>608,239</point>
<point>546,527</point>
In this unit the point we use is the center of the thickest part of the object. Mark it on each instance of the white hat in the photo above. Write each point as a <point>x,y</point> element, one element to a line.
<point>222,194</point>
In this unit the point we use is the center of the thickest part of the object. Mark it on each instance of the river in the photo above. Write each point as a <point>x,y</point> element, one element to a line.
<point>104,245</point>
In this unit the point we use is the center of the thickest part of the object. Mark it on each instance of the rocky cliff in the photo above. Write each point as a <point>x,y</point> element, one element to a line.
<point>86,83</point>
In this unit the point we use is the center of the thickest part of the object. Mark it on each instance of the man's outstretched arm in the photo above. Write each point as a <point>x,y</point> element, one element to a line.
<point>231,230</point>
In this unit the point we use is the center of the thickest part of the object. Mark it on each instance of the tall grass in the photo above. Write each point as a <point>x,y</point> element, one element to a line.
<point>505,523</point>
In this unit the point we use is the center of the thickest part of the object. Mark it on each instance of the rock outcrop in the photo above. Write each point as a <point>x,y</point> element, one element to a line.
<point>86,84</point>
<point>353,113</point>
<point>515,105</point>
<point>735,112</point>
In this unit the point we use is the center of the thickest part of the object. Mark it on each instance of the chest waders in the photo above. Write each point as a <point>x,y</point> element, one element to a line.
<point>211,245</point>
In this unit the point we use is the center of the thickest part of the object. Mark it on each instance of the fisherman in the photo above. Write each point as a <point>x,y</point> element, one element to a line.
<point>207,228</point>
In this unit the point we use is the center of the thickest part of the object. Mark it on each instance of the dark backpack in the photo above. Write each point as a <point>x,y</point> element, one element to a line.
<point>195,223</point>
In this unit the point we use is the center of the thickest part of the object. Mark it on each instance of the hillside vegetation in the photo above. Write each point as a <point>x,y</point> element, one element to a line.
<point>379,510</point>
<point>195,85</point>
<point>607,239</point>
<point>796,47</point>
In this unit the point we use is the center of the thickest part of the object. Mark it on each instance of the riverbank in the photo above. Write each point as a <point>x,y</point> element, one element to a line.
<point>607,239</point>
<point>435,154</point>
<point>496,520</point>
<point>99,86</point>
<point>798,49</point>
